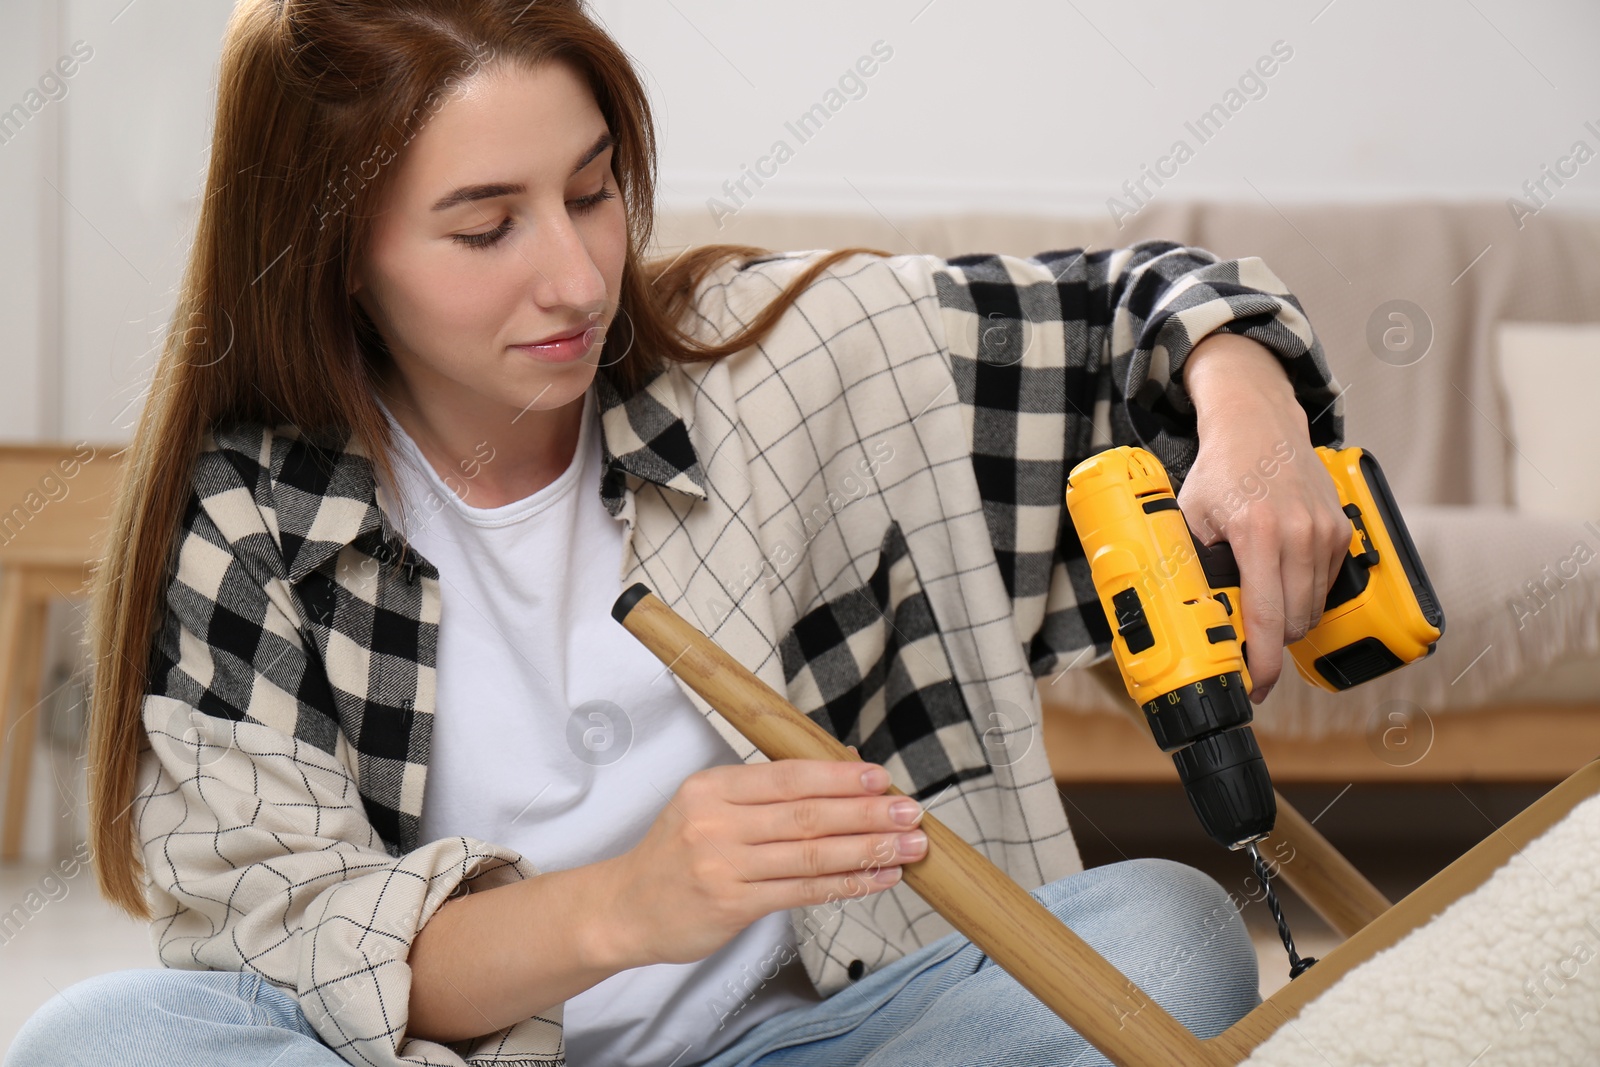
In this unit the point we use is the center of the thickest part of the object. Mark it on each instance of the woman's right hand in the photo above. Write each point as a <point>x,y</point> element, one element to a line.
<point>739,841</point>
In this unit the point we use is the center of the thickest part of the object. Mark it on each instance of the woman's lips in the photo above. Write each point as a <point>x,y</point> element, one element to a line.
<point>566,349</point>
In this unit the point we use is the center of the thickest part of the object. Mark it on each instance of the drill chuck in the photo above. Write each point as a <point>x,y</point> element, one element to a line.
<point>1205,727</point>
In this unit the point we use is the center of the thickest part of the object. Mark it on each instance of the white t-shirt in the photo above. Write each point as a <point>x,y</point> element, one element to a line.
<point>558,734</point>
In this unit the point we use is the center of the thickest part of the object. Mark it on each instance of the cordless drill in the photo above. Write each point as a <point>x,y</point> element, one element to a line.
<point>1180,640</point>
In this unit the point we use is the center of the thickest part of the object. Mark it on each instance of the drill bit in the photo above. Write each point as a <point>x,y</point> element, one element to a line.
<point>1297,966</point>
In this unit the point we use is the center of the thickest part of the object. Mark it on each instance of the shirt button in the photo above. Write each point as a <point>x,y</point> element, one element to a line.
<point>855,969</point>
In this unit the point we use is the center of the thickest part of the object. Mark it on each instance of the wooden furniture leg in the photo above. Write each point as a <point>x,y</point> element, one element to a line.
<point>26,649</point>
<point>1327,881</point>
<point>13,645</point>
<point>1009,924</point>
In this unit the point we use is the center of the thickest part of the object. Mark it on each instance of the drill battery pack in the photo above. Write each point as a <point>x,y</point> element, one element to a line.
<point>1381,612</point>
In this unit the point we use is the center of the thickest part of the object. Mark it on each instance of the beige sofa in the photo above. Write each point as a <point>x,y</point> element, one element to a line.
<point>1513,692</point>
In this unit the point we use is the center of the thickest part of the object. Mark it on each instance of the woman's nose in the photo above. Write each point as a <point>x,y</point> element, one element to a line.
<point>563,272</point>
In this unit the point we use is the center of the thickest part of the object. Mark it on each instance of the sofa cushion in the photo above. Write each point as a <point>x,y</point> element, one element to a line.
<point>1543,368</point>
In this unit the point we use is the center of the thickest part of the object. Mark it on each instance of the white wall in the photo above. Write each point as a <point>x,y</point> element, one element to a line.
<point>28,234</point>
<point>1052,106</point>
<point>1012,105</point>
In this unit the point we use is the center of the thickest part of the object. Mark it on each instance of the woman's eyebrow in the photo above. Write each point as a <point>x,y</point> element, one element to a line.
<point>489,190</point>
<point>603,142</point>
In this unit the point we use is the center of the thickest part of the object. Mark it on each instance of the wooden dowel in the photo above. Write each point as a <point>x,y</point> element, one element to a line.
<point>1009,924</point>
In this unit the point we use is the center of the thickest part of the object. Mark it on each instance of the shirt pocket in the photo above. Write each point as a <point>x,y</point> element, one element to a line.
<point>869,665</point>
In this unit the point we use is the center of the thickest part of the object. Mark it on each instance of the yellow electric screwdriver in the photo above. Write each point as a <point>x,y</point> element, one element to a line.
<point>1180,641</point>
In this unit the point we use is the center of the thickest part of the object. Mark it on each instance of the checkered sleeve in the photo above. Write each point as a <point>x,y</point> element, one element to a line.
<point>1062,354</point>
<point>258,853</point>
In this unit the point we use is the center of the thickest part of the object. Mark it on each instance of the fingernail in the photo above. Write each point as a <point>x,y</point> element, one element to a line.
<point>913,842</point>
<point>905,812</point>
<point>876,778</point>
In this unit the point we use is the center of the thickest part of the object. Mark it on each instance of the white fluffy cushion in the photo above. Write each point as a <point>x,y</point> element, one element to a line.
<point>1508,975</point>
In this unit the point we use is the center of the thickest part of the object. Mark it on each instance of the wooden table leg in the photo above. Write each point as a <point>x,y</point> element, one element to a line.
<point>24,700</point>
<point>13,641</point>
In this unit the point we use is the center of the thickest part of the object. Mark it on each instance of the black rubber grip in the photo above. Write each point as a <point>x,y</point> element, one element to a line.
<point>630,596</point>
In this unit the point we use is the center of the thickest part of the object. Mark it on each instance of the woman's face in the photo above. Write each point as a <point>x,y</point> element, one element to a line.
<point>503,226</point>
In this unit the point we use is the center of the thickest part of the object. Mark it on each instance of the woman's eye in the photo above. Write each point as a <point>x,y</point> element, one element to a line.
<point>582,205</point>
<point>594,200</point>
<point>481,240</point>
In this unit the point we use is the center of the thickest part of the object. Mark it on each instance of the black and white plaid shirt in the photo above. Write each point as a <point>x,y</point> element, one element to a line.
<point>866,510</point>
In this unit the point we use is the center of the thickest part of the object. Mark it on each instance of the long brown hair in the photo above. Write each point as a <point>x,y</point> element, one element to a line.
<point>314,99</point>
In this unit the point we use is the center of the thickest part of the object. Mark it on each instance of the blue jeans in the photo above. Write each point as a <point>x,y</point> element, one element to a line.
<point>1168,927</point>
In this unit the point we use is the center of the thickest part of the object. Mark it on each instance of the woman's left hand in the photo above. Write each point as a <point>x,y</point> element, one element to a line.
<point>1258,484</point>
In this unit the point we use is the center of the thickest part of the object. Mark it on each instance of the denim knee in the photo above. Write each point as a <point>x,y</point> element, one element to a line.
<point>73,1025</point>
<point>1192,900</point>
<point>1190,928</point>
<point>1189,897</point>
<point>1170,891</point>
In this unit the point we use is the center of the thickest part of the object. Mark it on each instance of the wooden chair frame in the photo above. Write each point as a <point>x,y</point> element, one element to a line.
<point>1041,952</point>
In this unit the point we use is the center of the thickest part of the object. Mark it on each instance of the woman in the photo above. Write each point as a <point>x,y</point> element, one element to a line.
<point>361,552</point>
